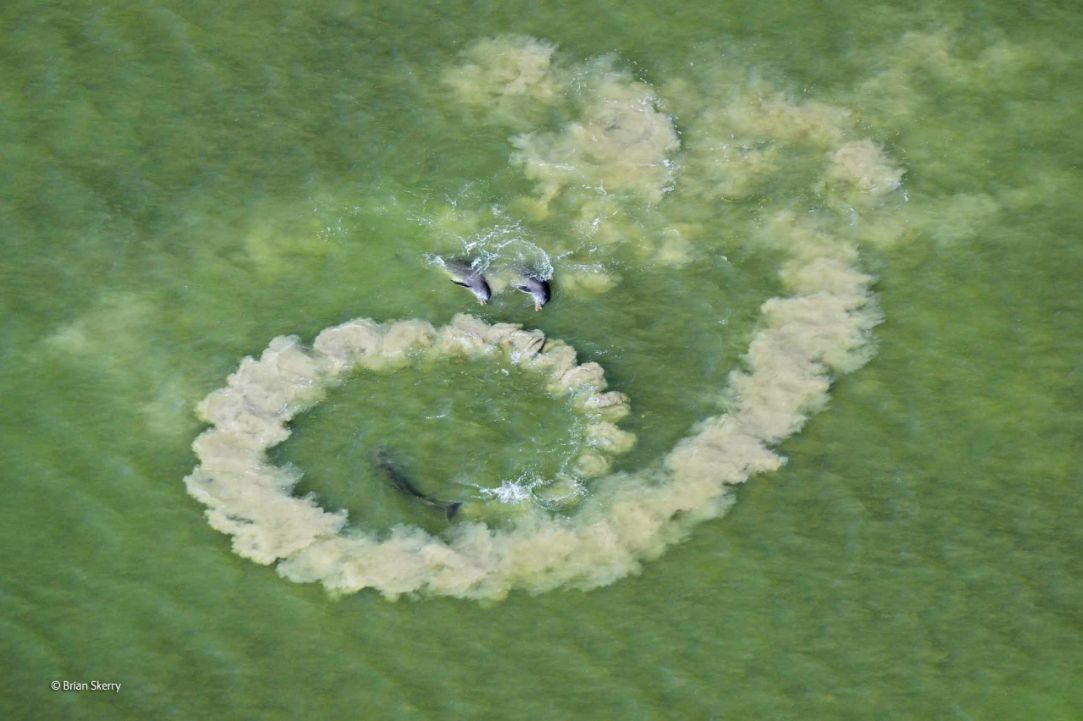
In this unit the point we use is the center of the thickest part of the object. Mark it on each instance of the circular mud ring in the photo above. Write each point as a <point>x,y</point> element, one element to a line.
<point>250,498</point>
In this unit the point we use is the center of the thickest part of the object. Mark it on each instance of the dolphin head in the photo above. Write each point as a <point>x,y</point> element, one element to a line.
<point>536,287</point>
<point>481,290</point>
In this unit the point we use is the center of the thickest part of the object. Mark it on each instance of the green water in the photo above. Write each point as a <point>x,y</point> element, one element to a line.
<point>431,420</point>
<point>179,184</point>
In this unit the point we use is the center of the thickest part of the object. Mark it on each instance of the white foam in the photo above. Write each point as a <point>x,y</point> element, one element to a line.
<point>515,491</point>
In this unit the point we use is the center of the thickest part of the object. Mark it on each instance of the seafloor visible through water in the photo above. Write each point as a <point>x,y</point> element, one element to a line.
<point>804,438</point>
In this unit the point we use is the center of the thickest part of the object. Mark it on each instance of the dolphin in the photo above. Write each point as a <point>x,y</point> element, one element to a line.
<point>383,462</point>
<point>465,274</point>
<point>536,287</point>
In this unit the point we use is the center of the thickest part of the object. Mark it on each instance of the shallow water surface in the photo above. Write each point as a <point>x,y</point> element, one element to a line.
<point>183,183</point>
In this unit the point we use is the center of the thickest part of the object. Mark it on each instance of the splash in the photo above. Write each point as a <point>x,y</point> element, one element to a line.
<point>504,252</point>
<point>611,171</point>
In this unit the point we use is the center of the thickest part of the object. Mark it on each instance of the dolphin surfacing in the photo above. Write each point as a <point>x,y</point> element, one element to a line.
<point>466,274</point>
<point>536,287</point>
<point>382,460</point>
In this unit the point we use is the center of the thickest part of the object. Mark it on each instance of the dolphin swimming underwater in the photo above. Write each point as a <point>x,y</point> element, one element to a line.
<point>383,462</point>
<point>536,287</point>
<point>465,274</point>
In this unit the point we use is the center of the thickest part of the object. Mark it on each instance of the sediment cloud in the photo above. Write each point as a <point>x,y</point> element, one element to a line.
<point>741,136</point>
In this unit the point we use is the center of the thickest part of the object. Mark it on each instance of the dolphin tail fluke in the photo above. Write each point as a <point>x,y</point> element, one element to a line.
<point>452,509</point>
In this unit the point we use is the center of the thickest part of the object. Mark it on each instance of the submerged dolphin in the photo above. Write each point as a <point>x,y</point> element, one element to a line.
<point>465,274</point>
<point>536,287</point>
<point>401,482</point>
